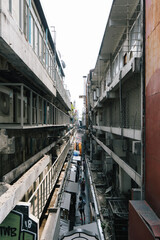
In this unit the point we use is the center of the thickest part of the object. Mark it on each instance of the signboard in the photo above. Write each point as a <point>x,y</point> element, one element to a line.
<point>19,224</point>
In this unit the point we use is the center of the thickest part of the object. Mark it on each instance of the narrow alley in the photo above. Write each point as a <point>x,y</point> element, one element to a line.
<point>49,142</point>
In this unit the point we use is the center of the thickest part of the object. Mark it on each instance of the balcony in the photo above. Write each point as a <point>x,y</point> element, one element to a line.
<point>27,45</point>
<point>22,108</point>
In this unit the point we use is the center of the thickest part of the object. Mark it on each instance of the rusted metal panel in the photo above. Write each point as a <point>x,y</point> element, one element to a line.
<point>152,91</point>
<point>145,221</point>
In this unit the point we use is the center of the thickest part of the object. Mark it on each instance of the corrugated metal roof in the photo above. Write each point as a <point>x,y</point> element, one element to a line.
<point>66,199</point>
<point>77,158</point>
<point>72,176</point>
<point>71,187</point>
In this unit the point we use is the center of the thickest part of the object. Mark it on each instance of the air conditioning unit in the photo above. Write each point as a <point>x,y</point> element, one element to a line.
<point>136,65</point>
<point>136,194</point>
<point>6,105</point>
<point>94,95</point>
<point>108,81</point>
<point>136,147</point>
<point>133,50</point>
<point>7,145</point>
<point>18,108</point>
<point>97,92</point>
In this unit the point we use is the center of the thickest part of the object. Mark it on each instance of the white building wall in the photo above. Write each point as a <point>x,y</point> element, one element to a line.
<point>14,37</point>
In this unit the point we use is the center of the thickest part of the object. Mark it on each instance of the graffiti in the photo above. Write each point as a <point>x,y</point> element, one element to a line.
<point>19,224</point>
<point>28,224</point>
<point>8,231</point>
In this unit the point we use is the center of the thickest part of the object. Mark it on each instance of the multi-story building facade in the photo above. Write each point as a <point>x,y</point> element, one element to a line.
<point>34,106</point>
<point>116,113</point>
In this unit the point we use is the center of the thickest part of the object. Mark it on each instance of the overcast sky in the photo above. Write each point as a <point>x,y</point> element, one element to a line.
<point>79,26</point>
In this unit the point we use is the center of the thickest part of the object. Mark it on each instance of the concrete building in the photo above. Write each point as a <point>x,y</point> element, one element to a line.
<point>116,115</point>
<point>35,135</point>
<point>122,121</point>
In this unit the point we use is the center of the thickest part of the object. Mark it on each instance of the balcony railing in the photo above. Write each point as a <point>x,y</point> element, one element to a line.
<point>40,196</point>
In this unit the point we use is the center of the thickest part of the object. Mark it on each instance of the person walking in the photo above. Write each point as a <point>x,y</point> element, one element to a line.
<point>83,186</point>
<point>81,205</point>
<point>80,180</point>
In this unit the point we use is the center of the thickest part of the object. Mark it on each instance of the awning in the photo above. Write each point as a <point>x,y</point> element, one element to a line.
<point>64,226</point>
<point>71,187</point>
<point>72,176</point>
<point>73,167</point>
<point>92,227</point>
<point>66,199</point>
<point>74,162</point>
<point>79,234</point>
<point>76,153</point>
<point>76,158</point>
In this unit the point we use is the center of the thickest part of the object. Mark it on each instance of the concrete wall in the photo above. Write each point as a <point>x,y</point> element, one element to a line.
<point>153,104</point>
<point>124,181</point>
<point>52,227</point>
<point>14,37</point>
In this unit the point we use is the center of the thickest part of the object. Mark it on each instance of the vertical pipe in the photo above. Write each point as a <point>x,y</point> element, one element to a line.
<point>120,104</point>
<point>143,101</point>
<point>22,107</point>
<point>46,47</point>
<point>37,110</point>
<point>29,27</point>
<point>41,196</point>
<point>46,187</point>
<point>43,192</point>
<point>0,16</point>
<point>33,205</point>
<point>49,181</point>
<point>20,14</point>
<point>42,111</point>
<point>31,96</point>
<point>38,203</point>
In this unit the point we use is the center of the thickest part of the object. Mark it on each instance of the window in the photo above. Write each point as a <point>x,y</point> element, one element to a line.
<point>108,77</point>
<point>10,6</point>
<point>121,58</point>
<point>125,59</point>
<point>26,20</point>
<point>20,14</point>
<point>31,31</point>
<point>115,66</point>
<point>36,40</point>
<point>135,34</point>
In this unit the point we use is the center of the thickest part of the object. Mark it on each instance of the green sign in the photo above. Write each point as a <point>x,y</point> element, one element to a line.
<point>19,225</point>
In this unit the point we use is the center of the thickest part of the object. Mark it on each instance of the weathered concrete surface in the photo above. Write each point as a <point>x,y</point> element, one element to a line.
<point>15,193</point>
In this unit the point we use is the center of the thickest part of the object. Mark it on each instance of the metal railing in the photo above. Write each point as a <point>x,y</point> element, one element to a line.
<point>40,196</point>
<point>62,91</point>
